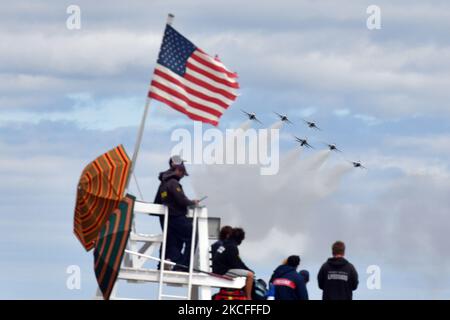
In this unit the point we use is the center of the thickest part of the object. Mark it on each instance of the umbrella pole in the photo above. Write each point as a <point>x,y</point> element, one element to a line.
<point>137,145</point>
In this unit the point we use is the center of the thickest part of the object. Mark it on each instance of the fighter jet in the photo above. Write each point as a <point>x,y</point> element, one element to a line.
<point>311,124</point>
<point>251,116</point>
<point>303,142</point>
<point>333,147</point>
<point>358,164</point>
<point>283,118</point>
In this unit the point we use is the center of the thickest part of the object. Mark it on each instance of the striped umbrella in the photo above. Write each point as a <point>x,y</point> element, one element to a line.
<point>110,245</point>
<point>100,189</point>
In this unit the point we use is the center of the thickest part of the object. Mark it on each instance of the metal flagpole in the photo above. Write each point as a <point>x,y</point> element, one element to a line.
<point>137,145</point>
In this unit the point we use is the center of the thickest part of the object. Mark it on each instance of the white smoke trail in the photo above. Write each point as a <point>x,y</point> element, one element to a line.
<point>241,196</point>
<point>245,125</point>
<point>301,172</point>
<point>316,161</point>
<point>337,172</point>
<point>277,125</point>
<point>218,172</point>
<point>329,182</point>
<point>291,157</point>
<point>290,165</point>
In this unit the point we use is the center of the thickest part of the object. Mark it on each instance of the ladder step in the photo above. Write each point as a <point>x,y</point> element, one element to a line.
<point>146,237</point>
<point>173,296</point>
<point>174,285</point>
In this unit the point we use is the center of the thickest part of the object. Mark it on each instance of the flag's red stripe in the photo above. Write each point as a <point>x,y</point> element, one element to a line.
<point>213,66</point>
<point>210,87</point>
<point>184,105</point>
<point>186,99</point>
<point>190,90</point>
<point>181,109</point>
<point>211,76</point>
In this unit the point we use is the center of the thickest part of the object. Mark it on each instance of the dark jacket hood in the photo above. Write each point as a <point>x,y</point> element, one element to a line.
<point>230,242</point>
<point>168,174</point>
<point>282,270</point>
<point>337,262</point>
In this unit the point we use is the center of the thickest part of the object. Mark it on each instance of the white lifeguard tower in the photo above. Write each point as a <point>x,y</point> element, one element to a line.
<point>142,247</point>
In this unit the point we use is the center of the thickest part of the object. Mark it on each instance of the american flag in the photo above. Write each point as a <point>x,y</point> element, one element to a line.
<point>190,81</point>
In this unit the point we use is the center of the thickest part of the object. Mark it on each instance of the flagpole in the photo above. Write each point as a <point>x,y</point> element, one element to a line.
<point>137,145</point>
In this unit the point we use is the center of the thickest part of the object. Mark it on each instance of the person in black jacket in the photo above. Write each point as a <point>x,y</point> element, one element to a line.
<point>227,260</point>
<point>337,277</point>
<point>289,285</point>
<point>225,233</point>
<point>171,194</point>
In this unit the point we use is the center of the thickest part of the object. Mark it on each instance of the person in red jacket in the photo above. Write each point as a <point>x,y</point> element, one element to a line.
<point>288,284</point>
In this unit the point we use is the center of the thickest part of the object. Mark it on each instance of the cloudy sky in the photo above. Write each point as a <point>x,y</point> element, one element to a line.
<point>67,96</point>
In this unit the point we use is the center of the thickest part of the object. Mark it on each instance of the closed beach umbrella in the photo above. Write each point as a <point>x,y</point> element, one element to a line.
<point>111,243</point>
<point>100,190</point>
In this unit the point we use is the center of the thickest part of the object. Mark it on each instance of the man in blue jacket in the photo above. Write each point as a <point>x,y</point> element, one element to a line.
<point>289,285</point>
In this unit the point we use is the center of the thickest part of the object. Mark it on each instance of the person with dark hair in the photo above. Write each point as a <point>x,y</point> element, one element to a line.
<point>337,277</point>
<point>227,260</point>
<point>305,275</point>
<point>288,284</point>
<point>225,233</point>
<point>171,194</point>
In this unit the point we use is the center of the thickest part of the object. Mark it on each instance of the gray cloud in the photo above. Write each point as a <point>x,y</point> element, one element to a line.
<point>315,54</point>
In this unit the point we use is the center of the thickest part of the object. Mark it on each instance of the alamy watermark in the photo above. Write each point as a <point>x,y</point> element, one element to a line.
<point>73,281</point>
<point>374,279</point>
<point>232,147</point>
<point>73,21</point>
<point>373,22</point>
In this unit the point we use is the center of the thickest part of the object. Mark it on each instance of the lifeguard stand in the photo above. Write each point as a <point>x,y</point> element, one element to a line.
<point>142,248</point>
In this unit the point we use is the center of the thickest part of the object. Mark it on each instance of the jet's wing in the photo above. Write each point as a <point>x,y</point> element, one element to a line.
<point>278,114</point>
<point>246,112</point>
